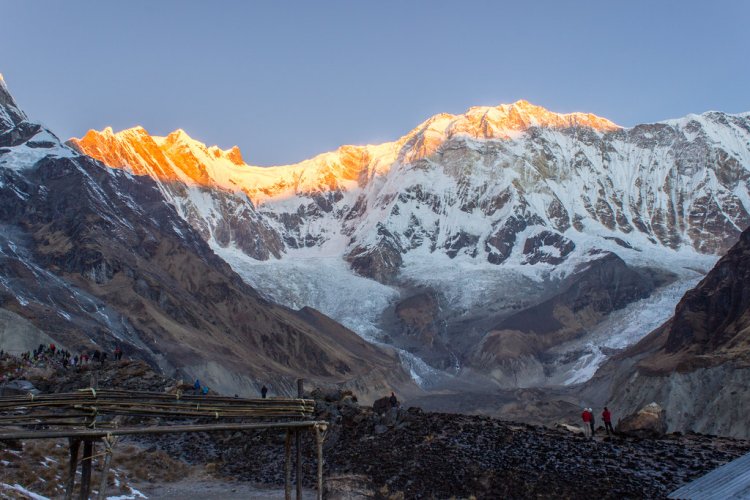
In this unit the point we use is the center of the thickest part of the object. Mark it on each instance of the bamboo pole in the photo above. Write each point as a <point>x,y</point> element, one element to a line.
<point>319,445</point>
<point>298,443</point>
<point>288,466</point>
<point>154,429</point>
<point>75,445</point>
<point>109,443</point>
<point>88,451</point>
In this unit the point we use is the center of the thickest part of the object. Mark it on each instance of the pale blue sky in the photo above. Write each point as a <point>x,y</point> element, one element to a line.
<point>288,80</point>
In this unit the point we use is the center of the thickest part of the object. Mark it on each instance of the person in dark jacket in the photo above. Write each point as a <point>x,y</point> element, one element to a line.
<point>607,417</point>
<point>263,392</point>
<point>593,422</point>
<point>393,400</point>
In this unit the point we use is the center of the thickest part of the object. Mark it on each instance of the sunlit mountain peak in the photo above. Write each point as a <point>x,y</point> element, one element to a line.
<point>178,156</point>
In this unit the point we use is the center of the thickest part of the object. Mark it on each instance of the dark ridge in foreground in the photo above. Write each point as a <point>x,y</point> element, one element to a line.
<point>408,453</point>
<point>413,454</point>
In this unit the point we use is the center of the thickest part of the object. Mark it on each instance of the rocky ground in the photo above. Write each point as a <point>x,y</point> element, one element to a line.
<point>431,455</point>
<point>402,454</point>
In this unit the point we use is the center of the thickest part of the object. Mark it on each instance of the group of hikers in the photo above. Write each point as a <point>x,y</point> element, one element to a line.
<point>198,388</point>
<point>589,422</point>
<point>52,354</point>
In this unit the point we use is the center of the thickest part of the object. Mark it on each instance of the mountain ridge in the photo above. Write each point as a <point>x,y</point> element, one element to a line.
<point>96,256</point>
<point>479,222</point>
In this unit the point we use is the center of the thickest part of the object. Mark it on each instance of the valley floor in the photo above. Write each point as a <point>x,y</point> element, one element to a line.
<point>405,453</point>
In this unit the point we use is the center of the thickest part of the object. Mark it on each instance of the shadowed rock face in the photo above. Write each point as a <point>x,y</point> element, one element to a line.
<point>418,315</point>
<point>91,254</point>
<point>513,352</point>
<point>696,365</point>
<point>547,247</point>
<point>713,319</point>
<point>380,262</point>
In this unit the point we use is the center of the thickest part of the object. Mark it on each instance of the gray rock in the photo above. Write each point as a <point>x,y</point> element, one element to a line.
<point>18,388</point>
<point>348,487</point>
<point>649,421</point>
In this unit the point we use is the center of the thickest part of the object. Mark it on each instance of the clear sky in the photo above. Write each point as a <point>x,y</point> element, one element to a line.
<point>287,80</point>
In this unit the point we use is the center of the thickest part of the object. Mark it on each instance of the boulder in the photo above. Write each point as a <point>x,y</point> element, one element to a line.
<point>573,429</point>
<point>382,405</point>
<point>349,487</point>
<point>18,388</point>
<point>649,421</point>
<point>331,395</point>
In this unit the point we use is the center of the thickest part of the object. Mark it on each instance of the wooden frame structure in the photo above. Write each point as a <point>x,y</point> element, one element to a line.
<point>89,415</point>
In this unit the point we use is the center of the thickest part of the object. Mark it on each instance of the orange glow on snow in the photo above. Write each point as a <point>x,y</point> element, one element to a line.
<point>178,157</point>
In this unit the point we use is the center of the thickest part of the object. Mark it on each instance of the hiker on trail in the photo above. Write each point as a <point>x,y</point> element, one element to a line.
<point>103,358</point>
<point>197,386</point>
<point>204,390</point>
<point>607,417</point>
<point>587,417</point>
<point>593,422</point>
<point>393,401</point>
<point>263,391</point>
<point>118,353</point>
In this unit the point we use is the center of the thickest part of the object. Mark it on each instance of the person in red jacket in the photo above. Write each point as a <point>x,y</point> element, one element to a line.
<point>607,417</point>
<point>586,416</point>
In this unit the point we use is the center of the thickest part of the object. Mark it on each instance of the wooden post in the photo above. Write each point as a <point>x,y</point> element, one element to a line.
<point>109,443</point>
<point>288,466</point>
<point>319,445</point>
<point>298,443</point>
<point>88,451</point>
<point>75,445</point>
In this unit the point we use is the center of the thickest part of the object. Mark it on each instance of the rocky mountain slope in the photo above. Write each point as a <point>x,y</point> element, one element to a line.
<point>466,222</point>
<point>95,256</point>
<point>697,364</point>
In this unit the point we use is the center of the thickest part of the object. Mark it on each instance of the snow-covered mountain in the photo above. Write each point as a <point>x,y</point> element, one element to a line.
<point>95,257</point>
<point>498,242</point>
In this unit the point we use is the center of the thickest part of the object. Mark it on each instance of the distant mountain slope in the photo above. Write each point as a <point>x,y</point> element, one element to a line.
<point>95,256</point>
<point>697,364</point>
<point>466,221</point>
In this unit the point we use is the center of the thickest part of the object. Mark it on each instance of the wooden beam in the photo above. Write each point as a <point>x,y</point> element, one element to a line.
<point>109,443</point>
<point>288,466</point>
<point>319,445</point>
<point>75,445</point>
<point>156,429</point>
<point>298,443</point>
<point>88,451</point>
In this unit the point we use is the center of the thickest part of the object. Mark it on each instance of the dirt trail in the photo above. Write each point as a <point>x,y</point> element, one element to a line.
<point>209,489</point>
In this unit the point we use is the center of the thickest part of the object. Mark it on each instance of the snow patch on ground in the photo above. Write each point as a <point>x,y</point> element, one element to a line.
<point>22,490</point>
